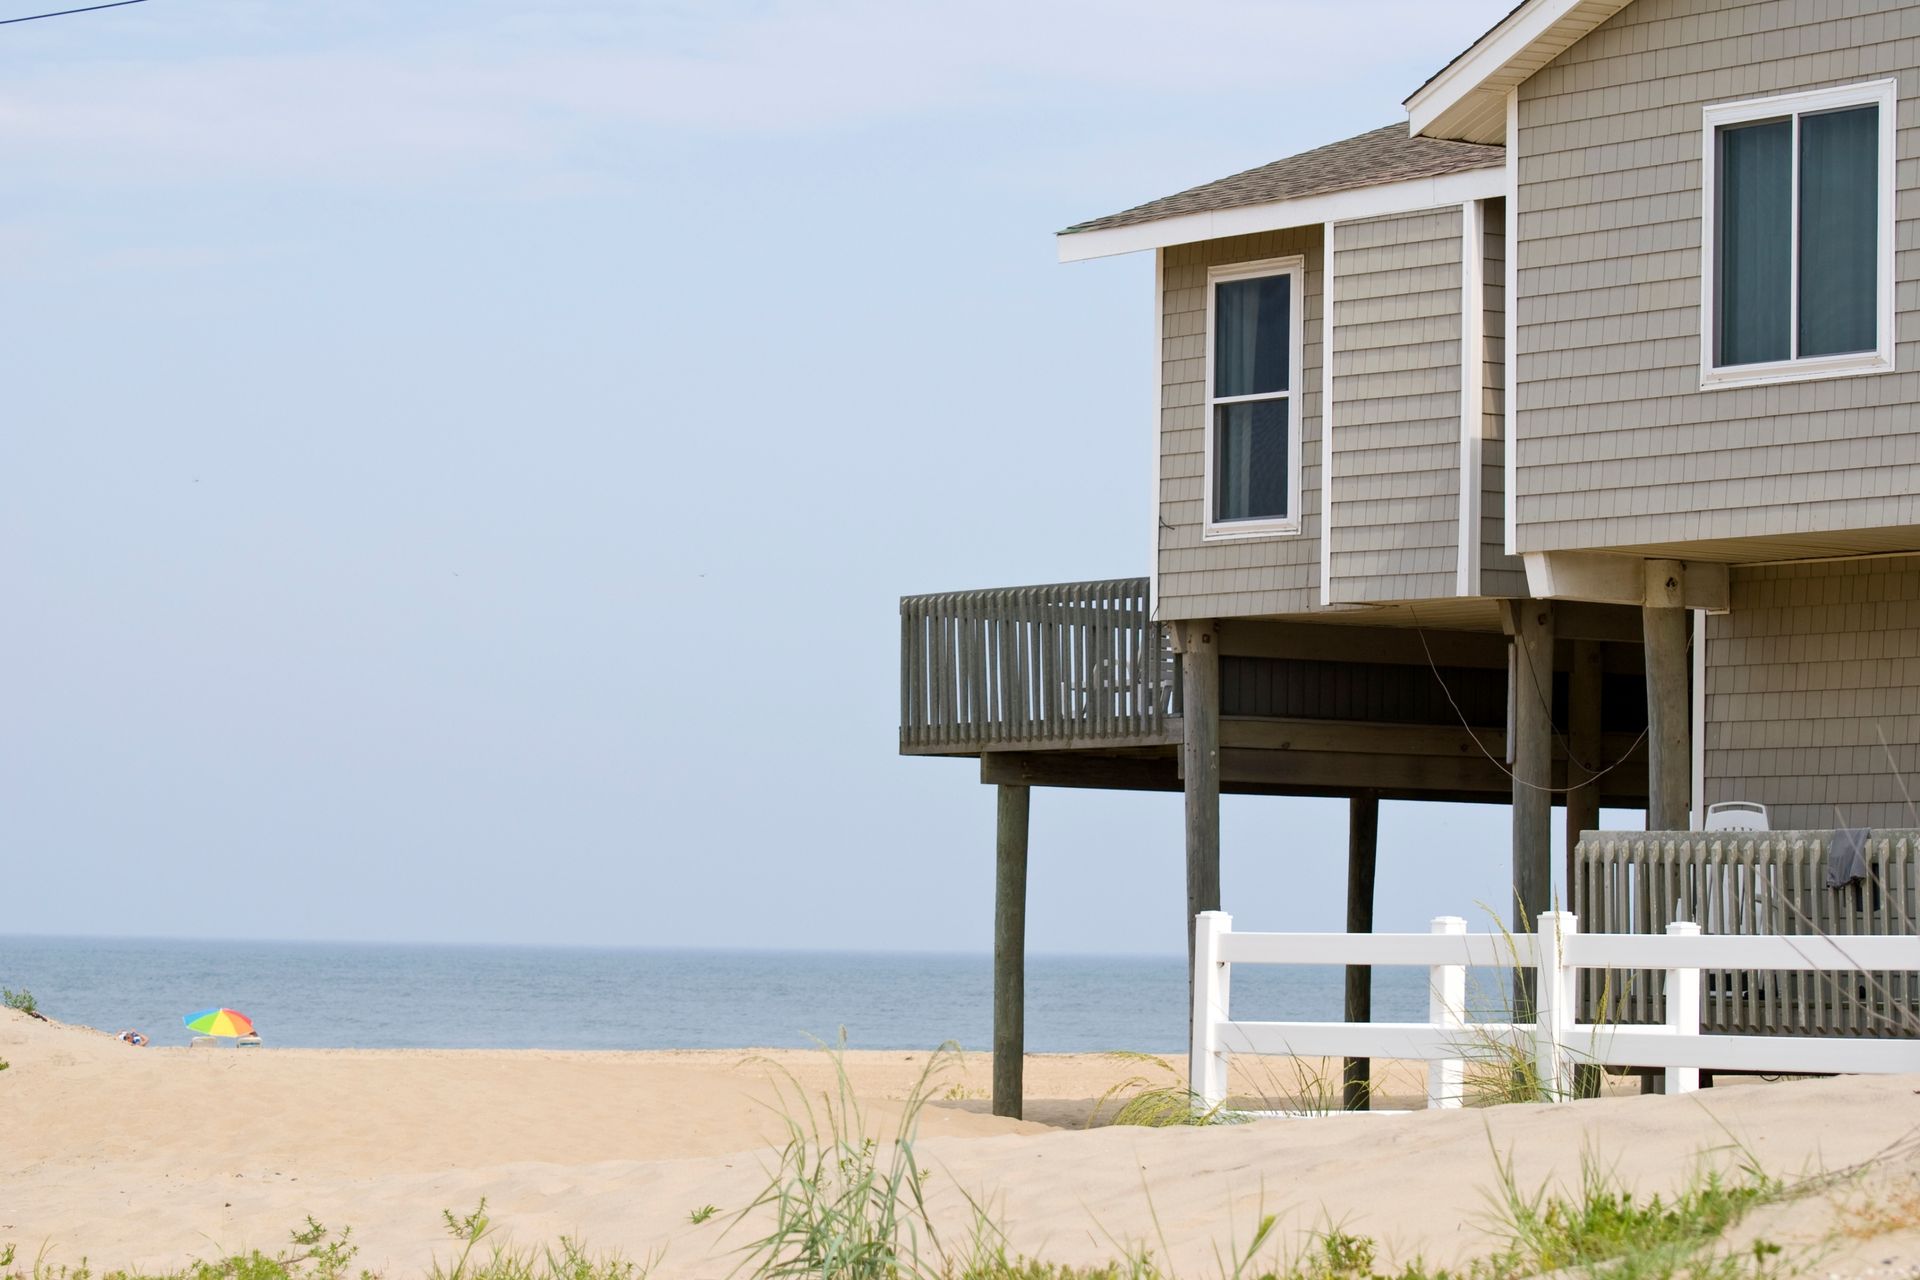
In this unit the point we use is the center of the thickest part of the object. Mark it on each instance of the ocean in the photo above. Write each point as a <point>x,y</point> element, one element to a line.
<point>376,996</point>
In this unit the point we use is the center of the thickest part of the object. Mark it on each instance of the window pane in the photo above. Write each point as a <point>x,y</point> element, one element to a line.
<point>1250,336</point>
<point>1839,230</point>
<point>1250,460</point>
<point>1755,234</point>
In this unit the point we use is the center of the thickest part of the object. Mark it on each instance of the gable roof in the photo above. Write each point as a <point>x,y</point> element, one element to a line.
<point>1467,98</point>
<point>1274,193</point>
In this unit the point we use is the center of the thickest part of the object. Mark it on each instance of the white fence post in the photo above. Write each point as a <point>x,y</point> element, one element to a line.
<point>1553,1001</point>
<point>1207,1063</point>
<point>1446,1007</point>
<point>1683,1009</point>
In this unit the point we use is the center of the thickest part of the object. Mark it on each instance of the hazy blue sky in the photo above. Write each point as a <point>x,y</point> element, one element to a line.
<point>461,460</point>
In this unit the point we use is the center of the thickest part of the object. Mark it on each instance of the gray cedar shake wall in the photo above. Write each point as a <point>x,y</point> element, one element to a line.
<point>1396,414</point>
<point>1235,578</point>
<point>1619,445</point>
<point>1500,574</point>
<point>1812,665</point>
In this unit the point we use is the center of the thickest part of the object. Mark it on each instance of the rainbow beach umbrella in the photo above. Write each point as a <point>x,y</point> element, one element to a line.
<point>219,1022</point>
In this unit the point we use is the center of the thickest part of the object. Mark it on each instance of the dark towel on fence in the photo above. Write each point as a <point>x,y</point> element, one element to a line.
<point>1847,856</point>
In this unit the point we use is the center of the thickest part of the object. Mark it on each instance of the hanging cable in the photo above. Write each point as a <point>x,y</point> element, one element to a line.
<point>1593,775</point>
<point>61,13</point>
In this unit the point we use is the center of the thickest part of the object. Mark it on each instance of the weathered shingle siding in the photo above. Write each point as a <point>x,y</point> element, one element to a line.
<point>1232,578</point>
<point>1500,573</point>
<point>1618,446</point>
<point>1812,665</point>
<point>1396,406</point>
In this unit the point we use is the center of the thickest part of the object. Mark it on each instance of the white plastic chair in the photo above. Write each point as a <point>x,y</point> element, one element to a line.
<point>1737,815</point>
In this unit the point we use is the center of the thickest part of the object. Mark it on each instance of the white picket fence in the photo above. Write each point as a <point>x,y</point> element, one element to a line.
<point>1556,952</point>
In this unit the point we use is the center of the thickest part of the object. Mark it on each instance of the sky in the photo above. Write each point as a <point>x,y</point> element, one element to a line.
<point>461,461</point>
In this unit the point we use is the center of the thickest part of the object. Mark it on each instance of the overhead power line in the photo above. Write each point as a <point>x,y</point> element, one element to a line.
<point>61,13</point>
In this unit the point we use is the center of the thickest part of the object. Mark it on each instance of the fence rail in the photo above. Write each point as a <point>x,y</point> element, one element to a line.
<point>1074,664</point>
<point>1557,953</point>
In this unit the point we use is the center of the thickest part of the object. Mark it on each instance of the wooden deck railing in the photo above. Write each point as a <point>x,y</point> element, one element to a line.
<point>1078,664</point>
<point>1751,883</point>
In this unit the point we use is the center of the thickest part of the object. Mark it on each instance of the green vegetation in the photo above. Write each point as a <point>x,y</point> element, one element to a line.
<point>1160,1100</point>
<point>1635,1238</point>
<point>569,1260</point>
<point>840,1207</point>
<point>701,1214</point>
<point>22,1000</point>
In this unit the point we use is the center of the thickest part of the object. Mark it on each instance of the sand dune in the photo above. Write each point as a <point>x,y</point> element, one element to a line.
<point>151,1157</point>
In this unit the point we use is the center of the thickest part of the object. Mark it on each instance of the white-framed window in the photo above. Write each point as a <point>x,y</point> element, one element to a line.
<point>1797,247</point>
<point>1254,326</point>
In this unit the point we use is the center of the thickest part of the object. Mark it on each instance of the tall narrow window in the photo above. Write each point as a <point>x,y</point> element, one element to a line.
<point>1252,365</point>
<point>1839,199</point>
<point>1799,200</point>
<point>1756,242</point>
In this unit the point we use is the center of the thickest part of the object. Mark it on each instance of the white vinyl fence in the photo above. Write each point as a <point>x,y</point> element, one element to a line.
<point>1556,953</point>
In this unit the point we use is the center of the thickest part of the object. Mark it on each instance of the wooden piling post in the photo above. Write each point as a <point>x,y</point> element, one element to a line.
<point>1584,723</point>
<point>1531,628</point>
<point>1363,842</point>
<point>1669,728</point>
<point>1583,742</point>
<point>1200,767</point>
<point>1010,950</point>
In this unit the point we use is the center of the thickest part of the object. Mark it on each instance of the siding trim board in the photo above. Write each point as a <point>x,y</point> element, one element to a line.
<point>1510,436</point>
<point>1159,397</point>
<point>1501,575</point>
<point>1326,414</point>
<point>1699,718</point>
<point>1473,365</point>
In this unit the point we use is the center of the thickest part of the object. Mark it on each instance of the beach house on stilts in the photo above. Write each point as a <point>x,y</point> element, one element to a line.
<point>1559,446</point>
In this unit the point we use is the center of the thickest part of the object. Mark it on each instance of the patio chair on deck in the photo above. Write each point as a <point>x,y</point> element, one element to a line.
<point>1737,815</point>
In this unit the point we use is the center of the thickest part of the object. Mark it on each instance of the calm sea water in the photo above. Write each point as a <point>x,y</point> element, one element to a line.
<point>331,995</point>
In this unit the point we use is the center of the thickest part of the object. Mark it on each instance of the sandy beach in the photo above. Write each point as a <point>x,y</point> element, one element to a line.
<point>152,1157</point>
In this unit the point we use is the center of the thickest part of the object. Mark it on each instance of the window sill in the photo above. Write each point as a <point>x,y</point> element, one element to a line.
<point>1764,375</point>
<point>1240,531</point>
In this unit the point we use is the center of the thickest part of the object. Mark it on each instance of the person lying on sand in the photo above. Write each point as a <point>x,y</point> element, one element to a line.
<point>132,1037</point>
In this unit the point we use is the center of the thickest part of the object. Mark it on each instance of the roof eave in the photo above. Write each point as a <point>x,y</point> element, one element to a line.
<point>1467,99</point>
<point>1406,196</point>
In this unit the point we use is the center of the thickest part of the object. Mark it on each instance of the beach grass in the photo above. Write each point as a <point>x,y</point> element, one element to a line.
<point>1158,1097</point>
<point>1155,1098</point>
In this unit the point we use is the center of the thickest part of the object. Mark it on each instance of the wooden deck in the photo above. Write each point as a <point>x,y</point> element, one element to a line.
<point>1074,685</point>
<point>1070,666</point>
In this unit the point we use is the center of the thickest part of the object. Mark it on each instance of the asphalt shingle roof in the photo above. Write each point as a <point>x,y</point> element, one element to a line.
<point>1386,154</point>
